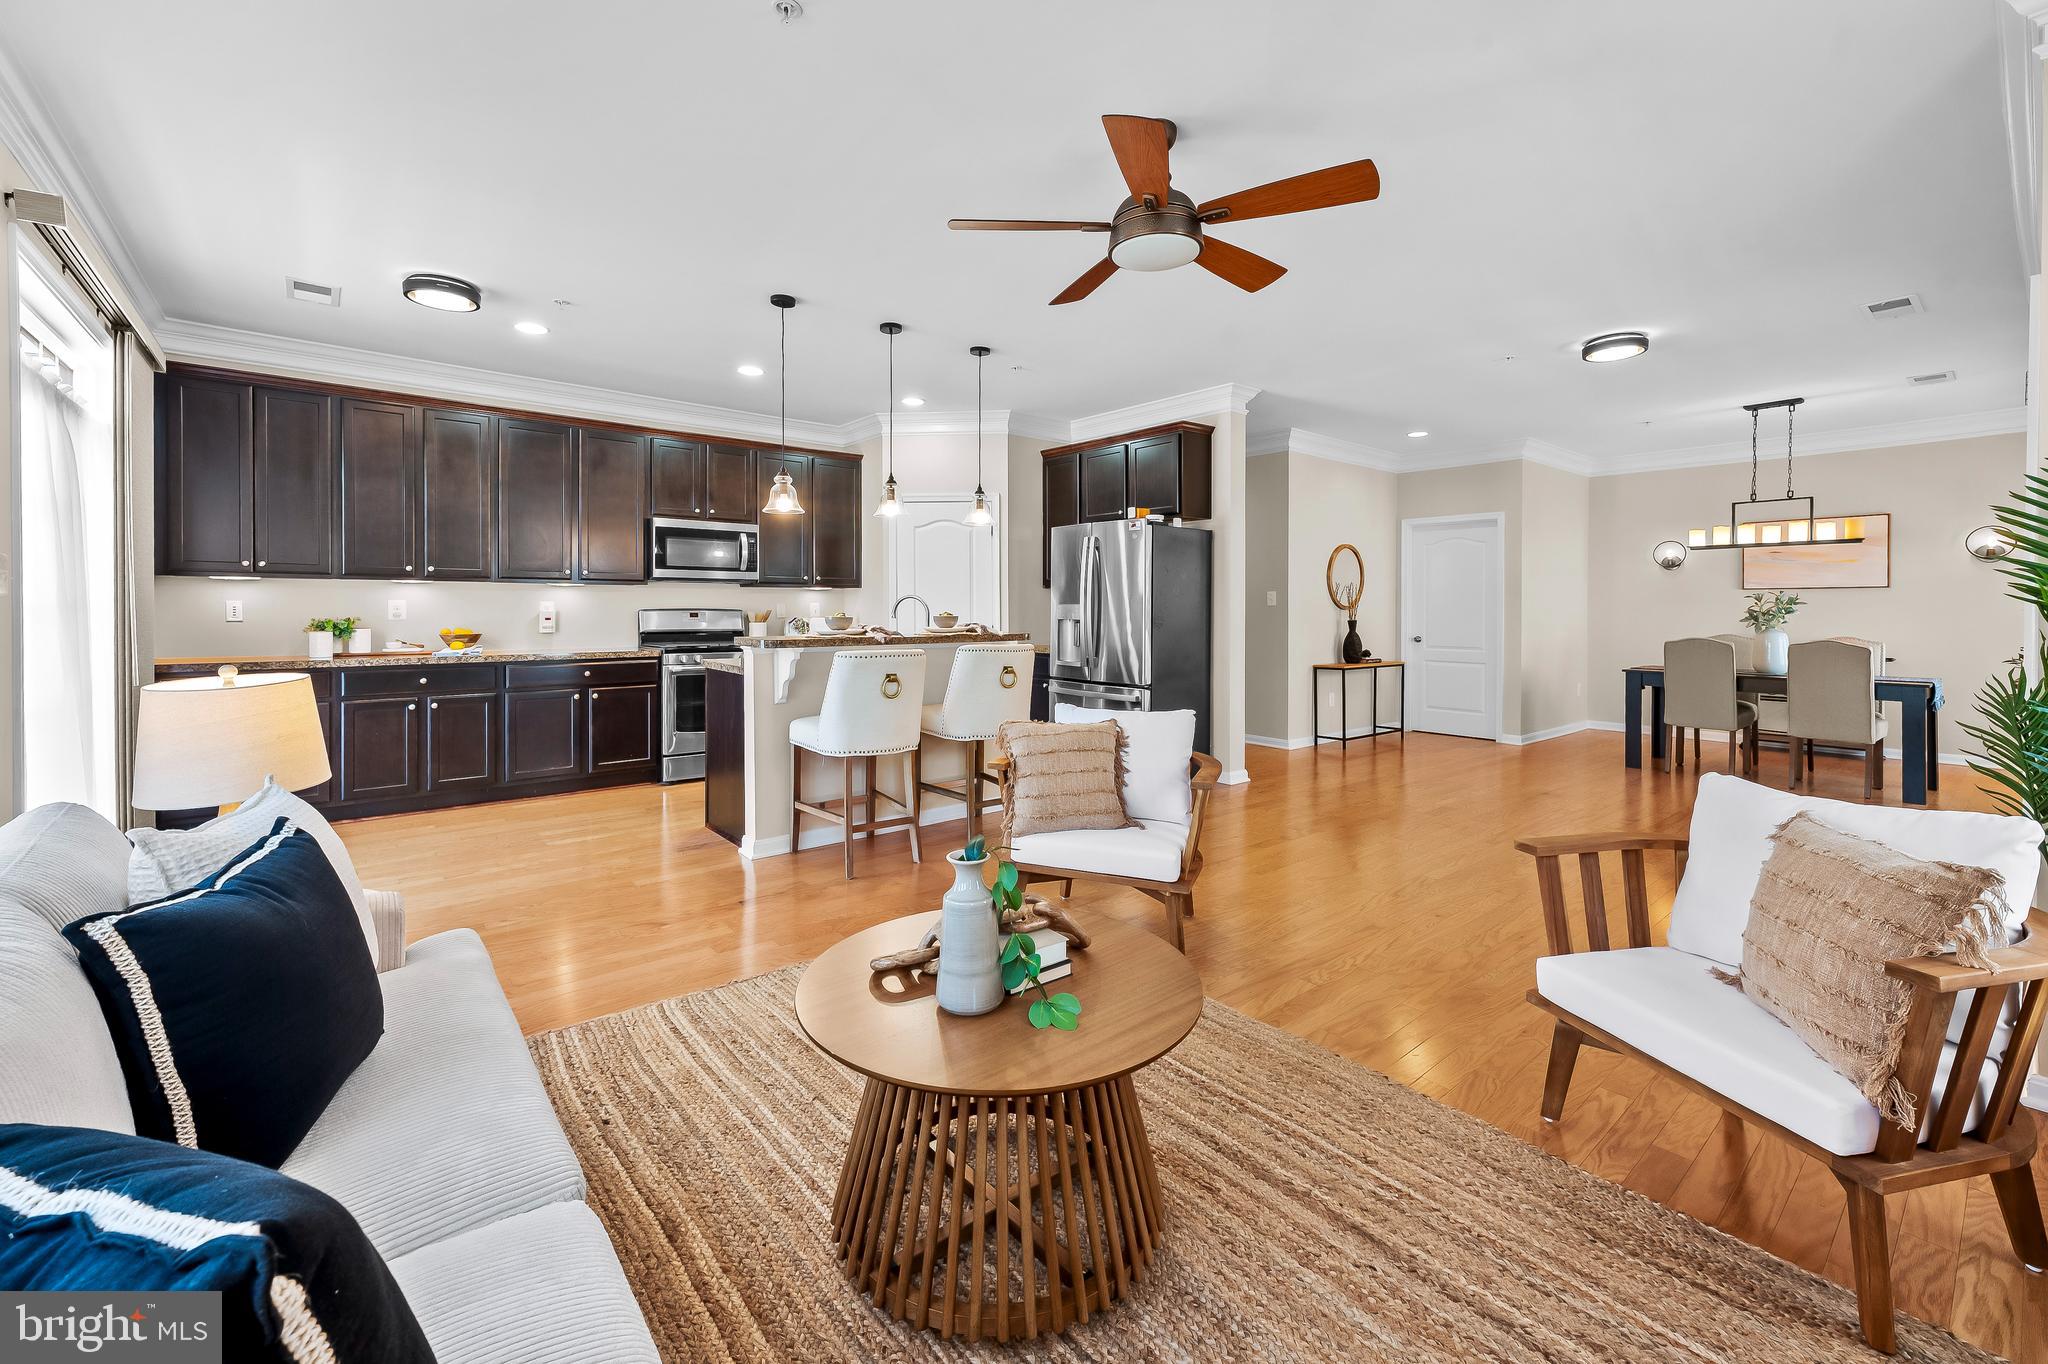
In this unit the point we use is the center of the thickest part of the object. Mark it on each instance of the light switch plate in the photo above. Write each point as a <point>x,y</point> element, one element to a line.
<point>234,612</point>
<point>394,609</point>
<point>1272,599</point>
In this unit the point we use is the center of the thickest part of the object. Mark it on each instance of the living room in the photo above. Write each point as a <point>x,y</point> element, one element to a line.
<point>528,663</point>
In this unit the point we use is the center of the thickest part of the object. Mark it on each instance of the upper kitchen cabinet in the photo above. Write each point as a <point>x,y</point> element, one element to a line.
<point>678,478</point>
<point>703,480</point>
<point>536,499</point>
<point>1169,472</point>
<point>205,476</point>
<point>1164,469</point>
<point>458,458</point>
<point>379,488</point>
<point>611,514</point>
<point>729,484</point>
<point>1062,503</point>
<point>292,467</point>
<point>785,540</point>
<point>833,502</point>
<point>1104,480</point>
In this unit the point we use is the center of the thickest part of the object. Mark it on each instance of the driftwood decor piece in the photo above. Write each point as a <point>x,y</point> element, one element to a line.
<point>1031,916</point>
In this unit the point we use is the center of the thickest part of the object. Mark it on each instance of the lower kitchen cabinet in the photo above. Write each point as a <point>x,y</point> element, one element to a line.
<point>543,735</point>
<point>461,736</point>
<point>380,749</point>
<point>623,721</point>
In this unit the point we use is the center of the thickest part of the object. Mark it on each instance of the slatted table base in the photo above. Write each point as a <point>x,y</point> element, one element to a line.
<point>997,1217</point>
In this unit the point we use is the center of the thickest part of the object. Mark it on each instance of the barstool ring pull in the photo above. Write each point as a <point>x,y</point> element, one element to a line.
<point>892,686</point>
<point>1009,677</point>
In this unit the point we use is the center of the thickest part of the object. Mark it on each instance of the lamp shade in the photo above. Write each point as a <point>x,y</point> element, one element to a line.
<point>212,740</point>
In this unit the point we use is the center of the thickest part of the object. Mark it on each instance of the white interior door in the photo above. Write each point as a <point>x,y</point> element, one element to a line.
<point>1451,624</point>
<point>936,555</point>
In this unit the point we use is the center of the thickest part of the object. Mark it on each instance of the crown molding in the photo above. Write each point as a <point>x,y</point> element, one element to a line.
<point>1920,431</point>
<point>1557,457</point>
<point>1201,402</point>
<point>999,422</point>
<point>27,132</point>
<point>208,344</point>
<point>1316,445</point>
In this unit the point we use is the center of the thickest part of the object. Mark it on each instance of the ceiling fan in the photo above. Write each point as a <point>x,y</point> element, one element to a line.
<point>1159,227</point>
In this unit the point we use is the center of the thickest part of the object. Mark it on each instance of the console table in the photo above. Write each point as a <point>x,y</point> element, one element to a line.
<point>1371,668</point>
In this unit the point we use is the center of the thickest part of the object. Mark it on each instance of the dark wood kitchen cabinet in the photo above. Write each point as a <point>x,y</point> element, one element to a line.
<point>379,455</point>
<point>729,484</point>
<point>703,480</point>
<point>623,725</point>
<point>785,540</point>
<point>1169,473</point>
<point>1103,483</point>
<point>458,457</point>
<point>611,507</point>
<point>205,476</point>
<point>461,736</point>
<point>835,517</point>
<point>543,734</point>
<point>1062,503</point>
<point>292,482</point>
<point>380,747</point>
<point>678,478</point>
<point>536,499</point>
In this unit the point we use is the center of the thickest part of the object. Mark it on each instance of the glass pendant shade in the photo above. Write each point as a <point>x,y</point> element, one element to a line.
<point>782,499</point>
<point>889,505</point>
<point>979,514</point>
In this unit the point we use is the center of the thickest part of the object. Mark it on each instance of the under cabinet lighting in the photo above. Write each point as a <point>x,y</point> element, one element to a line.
<point>912,400</point>
<point>752,371</point>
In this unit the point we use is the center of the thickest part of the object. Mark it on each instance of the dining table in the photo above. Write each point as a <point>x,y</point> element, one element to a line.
<point>1919,701</point>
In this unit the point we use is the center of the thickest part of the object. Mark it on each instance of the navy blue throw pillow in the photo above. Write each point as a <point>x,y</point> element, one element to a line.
<point>241,1005</point>
<point>88,1211</point>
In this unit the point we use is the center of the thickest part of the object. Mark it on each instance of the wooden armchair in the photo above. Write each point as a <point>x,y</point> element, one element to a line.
<point>1157,857</point>
<point>1967,1090</point>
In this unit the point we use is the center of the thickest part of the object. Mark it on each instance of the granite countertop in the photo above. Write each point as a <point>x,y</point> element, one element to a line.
<point>287,663</point>
<point>716,664</point>
<point>863,638</point>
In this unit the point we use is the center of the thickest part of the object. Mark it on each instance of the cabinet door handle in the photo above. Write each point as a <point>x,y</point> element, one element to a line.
<point>430,568</point>
<point>408,568</point>
<point>412,705</point>
<point>433,705</point>
<point>423,681</point>
<point>586,672</point>
<point>263,563</point>
<point>245,563</point>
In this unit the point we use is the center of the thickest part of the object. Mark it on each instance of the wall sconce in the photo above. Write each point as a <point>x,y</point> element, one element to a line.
<point>1668,554</point>
<point>1989,543</point>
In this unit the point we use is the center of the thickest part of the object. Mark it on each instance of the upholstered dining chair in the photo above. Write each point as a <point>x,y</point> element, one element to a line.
<point>1699,694</point>
<point>989,684</point>
<point>874,699</point>
<point>1831,698</point>
<point>1166,790</point>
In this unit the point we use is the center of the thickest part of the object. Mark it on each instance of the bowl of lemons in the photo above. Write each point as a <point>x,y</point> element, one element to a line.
<point>459,640</point>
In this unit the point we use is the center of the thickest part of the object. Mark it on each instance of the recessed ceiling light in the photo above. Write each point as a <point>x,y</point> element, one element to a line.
<point>445,292</point>
<point>530,328</point>
<point>1614,346</point>
<point>752,371</point>
<point>912,400</point>
<point>1417,435</point>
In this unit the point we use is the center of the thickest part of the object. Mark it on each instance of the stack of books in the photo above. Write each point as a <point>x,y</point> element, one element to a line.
<point>1051,945</point>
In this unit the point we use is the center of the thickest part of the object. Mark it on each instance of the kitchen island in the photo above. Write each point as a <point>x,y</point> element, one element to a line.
<point>781,678</point>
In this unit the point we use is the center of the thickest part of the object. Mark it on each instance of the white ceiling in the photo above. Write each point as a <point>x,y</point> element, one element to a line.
<point>1737,180</point>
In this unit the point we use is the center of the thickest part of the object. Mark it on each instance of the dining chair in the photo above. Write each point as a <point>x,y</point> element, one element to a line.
<point>1699,694</point>
<point>1831,698</point>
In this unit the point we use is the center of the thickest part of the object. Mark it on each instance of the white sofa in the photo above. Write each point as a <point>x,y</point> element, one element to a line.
<point>442,1144</point>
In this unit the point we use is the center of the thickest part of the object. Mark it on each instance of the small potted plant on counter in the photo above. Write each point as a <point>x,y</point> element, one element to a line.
<point>319,639</point>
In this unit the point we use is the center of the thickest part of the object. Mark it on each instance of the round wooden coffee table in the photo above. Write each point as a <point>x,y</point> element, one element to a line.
<point>998,1181</point>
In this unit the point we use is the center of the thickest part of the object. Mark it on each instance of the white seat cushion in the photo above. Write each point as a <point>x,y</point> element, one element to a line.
<point>1157,749</point>
<point>544,1286</point>
<point>446,1126</point>
<point>803,732</point>
<point>1150,852</point>
<point>1665,1003</point>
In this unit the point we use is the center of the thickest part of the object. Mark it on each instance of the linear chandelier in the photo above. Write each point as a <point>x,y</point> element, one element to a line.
<point>1783,530</point>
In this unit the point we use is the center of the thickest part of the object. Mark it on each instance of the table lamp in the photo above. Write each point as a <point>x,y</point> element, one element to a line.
<point>212,740</point>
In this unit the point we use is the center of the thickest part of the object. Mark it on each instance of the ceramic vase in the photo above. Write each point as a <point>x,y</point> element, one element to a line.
<point>359,642</point>
<point>319,645</point>
<point>1354,647</point>
<point>970,974</point>
<point>1777,652</point>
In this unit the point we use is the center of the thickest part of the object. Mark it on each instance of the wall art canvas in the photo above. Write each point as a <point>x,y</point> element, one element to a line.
<point>1796,567</point>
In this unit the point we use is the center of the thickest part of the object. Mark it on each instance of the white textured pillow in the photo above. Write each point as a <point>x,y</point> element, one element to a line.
<point>1159,745</point>
<point>165,861</point>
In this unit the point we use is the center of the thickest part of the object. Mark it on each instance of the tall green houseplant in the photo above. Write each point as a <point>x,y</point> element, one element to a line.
<point>2014,733</point>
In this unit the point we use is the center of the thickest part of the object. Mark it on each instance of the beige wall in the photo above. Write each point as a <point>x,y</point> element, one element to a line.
<point>1945,614</point>
<point>1227,651</point>
<point>1267,624</point>
<point>1555,565</point>
<point>1030,603</point>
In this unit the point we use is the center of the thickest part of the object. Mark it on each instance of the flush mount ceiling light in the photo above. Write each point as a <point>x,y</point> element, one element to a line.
<point>782,498</point>
<point>752,371</point>
<point>444,293</point>
<point>530,328</point>
<point>1782,530</point>
<point>978,514</point>
<point>912,400</point>
<point>889,506</point>
<point>1614,346</point>
<point>1989,543</point>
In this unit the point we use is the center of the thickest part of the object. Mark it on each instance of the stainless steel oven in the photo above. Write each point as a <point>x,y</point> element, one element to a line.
<point>708,551</point>
<point>686,638</point>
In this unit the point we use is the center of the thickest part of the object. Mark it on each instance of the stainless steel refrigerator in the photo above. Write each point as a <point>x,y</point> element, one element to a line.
<point>1130,618</point>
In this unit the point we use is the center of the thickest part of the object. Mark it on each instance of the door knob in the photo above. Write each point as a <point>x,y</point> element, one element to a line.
<point>1415,639</point>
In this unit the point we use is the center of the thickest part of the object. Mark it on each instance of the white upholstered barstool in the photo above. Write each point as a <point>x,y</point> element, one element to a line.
<point>874,699</point>
<point>990,683</point>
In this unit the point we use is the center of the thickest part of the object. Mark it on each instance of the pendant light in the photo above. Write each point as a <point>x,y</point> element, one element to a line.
<point>978,514</point>
<point>1794,530</point>
<point>889,506</point>
<point>782,499</point>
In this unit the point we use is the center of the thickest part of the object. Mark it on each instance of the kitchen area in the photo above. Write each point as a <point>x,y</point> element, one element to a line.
<point>635,607</point>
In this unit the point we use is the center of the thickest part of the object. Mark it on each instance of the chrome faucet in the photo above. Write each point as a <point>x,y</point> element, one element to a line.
<point>911,596</point>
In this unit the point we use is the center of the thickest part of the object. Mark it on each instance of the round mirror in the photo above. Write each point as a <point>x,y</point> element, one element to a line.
<point>1345,576</point>
<point>1988,542</point>
<point>1668,554</point>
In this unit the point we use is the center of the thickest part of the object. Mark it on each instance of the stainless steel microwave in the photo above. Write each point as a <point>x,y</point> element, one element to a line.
<point>708,551</point>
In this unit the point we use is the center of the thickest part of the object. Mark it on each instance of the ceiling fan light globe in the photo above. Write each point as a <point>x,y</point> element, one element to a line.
<point>1155,251</point>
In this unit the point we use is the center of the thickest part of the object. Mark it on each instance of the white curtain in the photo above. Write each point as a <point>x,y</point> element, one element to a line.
<point>66,650</point>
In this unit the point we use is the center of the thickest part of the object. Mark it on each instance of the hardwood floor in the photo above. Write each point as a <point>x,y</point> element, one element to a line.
<point>1368,900</point>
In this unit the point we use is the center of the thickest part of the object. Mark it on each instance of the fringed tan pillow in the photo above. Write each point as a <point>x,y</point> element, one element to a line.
<point>1830,909</point>
<point>1063,777</point>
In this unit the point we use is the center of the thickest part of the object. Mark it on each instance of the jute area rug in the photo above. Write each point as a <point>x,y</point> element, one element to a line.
<point>1315,1211</point>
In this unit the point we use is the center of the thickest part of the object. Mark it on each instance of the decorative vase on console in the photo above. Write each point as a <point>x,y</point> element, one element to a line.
<point>1354,647</point>
<point>970,945</point>
<point>1766,615</point>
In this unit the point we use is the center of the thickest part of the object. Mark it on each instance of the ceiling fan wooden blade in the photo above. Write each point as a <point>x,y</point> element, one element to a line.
<point>1246,270</point>
<point>1140,145</point>
<point>1088,283</point>
<point>1351,183</point>
<point>1021,225</point>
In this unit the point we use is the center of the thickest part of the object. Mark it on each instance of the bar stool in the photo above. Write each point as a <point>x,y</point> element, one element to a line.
<point>873,700</point>
<point>990,683</point>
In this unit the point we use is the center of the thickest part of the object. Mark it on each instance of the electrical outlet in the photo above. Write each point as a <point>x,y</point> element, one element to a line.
<point>234,612</point>
<point>394,609</point>
<point>547,618</point>
<point>1272,599</point>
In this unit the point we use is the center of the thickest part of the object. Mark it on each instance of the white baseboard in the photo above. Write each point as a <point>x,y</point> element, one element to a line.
<point>1237,776</point>
<point>1575,727</point>
<point>1261,741</point>
<point>823,835</point>
<point>2035,1095</point>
